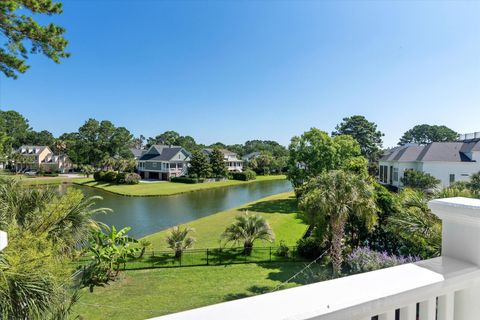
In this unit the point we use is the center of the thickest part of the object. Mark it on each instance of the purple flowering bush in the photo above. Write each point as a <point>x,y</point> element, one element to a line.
<point>363,259</point>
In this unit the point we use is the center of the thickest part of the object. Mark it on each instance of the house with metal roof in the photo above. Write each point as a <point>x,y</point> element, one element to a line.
<point>447,161</point>
<point>162,162</point>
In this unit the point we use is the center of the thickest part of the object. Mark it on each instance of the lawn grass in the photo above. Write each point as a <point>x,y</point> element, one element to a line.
<point>280,211</point>
<point>166,188</point>
<point>155,292</point>
<point>37,181</point>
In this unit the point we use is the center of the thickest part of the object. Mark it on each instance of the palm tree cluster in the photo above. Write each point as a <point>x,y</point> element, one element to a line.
<point>179,239</point>
<point>330,200</point>
<point>247,229</point>
<point>46,230</point>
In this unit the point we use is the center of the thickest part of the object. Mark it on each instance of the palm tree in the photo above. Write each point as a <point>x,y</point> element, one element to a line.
<point>330,199</point>
<point>248,228</point>
<point>417,225</point>
<point>45,230</point>
<point>179,240</point>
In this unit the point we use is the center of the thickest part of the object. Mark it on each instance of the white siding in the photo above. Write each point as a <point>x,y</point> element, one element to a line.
<point>443,170</point>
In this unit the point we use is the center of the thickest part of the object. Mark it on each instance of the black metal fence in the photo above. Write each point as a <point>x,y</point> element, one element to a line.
<point>206,257</point>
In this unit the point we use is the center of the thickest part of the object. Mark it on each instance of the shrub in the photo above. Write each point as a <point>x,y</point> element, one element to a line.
<point>132,178</point>
<point>309,248</point>
<point>120,179</point>
<point>51,174</point>
<point>363,259</point>
<point>110,176</point>
<point>184,180</point>
<point>246,175</point>
<point>99,176</point>
<point>283,250</point>
<point>419,180</point>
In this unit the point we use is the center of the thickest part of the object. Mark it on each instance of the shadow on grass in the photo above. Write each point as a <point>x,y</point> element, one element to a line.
<point>299,271</point>
<point>252,291</point>
<point>283,272</point>
<point>274,206</point>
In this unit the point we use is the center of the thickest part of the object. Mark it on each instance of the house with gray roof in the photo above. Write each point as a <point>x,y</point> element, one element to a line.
<point>162,162</point>
<point>447,161</point>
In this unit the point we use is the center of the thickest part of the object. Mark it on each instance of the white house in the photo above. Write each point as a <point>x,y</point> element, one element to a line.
<point>446,161</point>
<point>231,159</point>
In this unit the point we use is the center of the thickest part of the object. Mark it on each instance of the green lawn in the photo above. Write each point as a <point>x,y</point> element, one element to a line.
<point>166,188</point>
<point>37,181</point>
<point>280,211</point>
<point>155,292</point>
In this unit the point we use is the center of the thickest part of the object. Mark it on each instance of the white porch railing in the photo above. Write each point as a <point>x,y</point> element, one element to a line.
<point>3,240</point>
<point>443,288</point>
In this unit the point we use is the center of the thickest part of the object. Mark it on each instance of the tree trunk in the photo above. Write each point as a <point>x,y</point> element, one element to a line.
<point>247,248</point>
<point>336,249</point>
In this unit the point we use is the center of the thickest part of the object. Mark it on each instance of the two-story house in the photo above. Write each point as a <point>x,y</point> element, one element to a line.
<point>447,161</point>
<point>42,158</point>
<point>231,159</point>
<point>162,162</point>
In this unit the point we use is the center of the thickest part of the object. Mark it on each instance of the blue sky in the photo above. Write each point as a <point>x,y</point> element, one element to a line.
<point>232,71</point>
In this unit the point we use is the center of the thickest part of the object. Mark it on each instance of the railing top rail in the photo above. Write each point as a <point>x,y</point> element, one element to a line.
<point>353,297</point>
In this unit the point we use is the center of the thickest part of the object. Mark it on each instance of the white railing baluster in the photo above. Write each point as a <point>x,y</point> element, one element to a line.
<point>409,312</point>
<point>445,306</point>
<point>390,315</point>
<point>428,309</point>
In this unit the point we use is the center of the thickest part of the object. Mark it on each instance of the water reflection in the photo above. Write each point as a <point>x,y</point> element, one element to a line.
<point>147,215</point>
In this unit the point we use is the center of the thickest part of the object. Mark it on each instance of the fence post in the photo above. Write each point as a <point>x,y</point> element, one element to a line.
<point>151,258</point>
<point>270,253</point>
<point>207,256</point>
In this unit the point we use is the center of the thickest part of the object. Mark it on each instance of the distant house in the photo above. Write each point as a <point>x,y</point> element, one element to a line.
<point>250,156</point>
<point>447,161</point>
<point>231,159</point>
<point>162,162</point>
<point>137,153</point>
<point>42,158</point>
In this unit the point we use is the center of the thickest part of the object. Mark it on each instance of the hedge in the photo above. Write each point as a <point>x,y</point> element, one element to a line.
<point>244,176</point>
<point>184,180</point>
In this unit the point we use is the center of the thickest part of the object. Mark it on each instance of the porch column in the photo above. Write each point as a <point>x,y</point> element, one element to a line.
<point>461,240</point>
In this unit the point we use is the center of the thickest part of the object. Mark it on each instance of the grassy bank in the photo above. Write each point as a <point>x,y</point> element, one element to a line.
<point>166,188</point>
<point>280,211</point>
<point>150,293</point>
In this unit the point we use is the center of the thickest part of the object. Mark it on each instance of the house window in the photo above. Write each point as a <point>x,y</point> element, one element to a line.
<point>395,174</point>
<point>173,166</point>
<point>452,178</point>
<point>381,174</point>
<point>180,165</point>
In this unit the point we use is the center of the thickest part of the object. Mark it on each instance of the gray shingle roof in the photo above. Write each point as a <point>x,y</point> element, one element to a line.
<point>436,151</point>
<point>166,153</point>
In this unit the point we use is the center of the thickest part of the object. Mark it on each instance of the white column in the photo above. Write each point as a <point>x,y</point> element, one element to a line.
<point>461,240</point>
<point>445,306</point>
<point>3,240</point>
<point>409,312</point>
<point>428,309</point>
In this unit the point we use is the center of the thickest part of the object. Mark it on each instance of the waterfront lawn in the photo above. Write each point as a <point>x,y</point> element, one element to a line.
<point>155,292</point>
<point>280,211</point>
<point>164,188</point>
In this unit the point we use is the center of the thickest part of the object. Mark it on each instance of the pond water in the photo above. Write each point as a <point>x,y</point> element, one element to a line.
<point>147,215</point>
